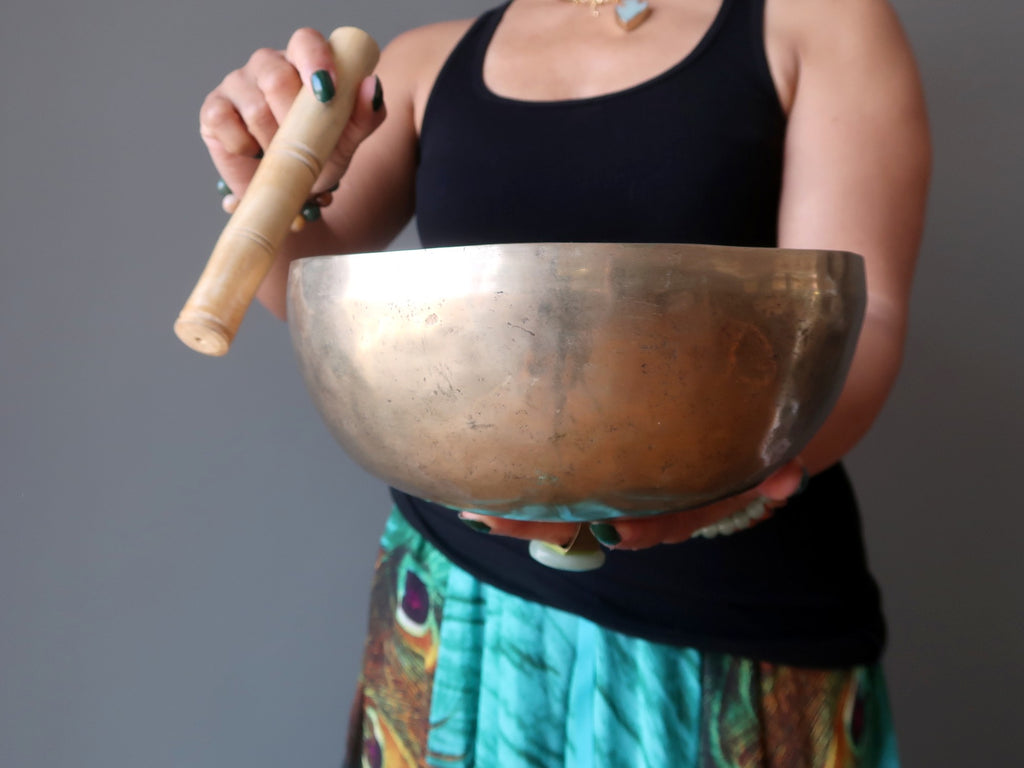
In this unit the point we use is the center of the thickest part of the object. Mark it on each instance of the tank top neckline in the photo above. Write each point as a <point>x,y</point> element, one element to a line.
<point>486,38</point>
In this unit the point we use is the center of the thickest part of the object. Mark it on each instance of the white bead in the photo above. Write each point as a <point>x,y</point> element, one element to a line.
<point>756,509</point>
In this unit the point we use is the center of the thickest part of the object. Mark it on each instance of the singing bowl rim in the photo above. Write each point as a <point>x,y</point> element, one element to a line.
<point>737,261</point>
<point>735,253</point>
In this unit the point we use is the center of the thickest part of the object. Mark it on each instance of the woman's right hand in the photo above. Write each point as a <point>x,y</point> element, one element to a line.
<point>241,115</point>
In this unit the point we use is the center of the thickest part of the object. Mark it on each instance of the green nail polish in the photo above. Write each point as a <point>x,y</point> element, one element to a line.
<point>323,87</point>
<point>605,533</point>
<point>378,96</point>
<point>477,526</point>
<point>805,479</point>
<point>222,188</point>
<point>310,212</point>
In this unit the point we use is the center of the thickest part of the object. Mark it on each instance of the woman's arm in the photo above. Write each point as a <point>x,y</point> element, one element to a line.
<point>856,172</point>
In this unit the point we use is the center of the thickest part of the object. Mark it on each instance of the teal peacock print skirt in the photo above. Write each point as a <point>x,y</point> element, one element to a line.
<point>458,673</point>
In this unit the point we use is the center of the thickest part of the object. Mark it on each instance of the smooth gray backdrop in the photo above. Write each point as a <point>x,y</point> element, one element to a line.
<point>185,553</point>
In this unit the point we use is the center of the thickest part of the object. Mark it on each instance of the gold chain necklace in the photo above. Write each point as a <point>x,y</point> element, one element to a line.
<point>630,14</point>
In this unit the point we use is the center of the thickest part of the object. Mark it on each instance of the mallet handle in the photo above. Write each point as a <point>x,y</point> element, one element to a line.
<point>280,187</point>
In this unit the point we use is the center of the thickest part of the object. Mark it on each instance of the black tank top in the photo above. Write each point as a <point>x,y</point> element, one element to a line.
<point>693,155</point>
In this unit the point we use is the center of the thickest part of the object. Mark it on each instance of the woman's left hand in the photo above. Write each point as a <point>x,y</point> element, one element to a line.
<point>643,532</point>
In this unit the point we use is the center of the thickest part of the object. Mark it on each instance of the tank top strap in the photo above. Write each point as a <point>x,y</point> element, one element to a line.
<point>463,70</point>
<point>738,36</point>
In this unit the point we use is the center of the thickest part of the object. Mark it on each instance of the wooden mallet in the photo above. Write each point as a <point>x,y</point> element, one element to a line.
<point>282,184</point>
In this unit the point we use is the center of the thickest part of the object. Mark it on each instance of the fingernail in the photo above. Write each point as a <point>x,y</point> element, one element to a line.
<point>476,525</point>
<point>605,533</point>
<point>311,212</point>
<point>805,479</point>
<point>378,97</point>
<point>258,155</point>
<point>323,87</point>
<point>222,188</point>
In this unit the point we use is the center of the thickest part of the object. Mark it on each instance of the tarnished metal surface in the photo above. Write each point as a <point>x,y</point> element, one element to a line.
<point>575,381</point>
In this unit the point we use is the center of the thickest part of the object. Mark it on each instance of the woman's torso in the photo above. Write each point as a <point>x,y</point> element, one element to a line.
<point>691,152</point>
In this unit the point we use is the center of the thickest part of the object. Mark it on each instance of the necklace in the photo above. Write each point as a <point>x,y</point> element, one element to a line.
<point>630,14</point>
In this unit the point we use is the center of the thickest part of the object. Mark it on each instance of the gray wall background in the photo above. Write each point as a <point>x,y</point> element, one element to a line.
<point>185,553</point>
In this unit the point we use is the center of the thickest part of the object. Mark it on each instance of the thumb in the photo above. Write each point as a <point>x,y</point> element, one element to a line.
<point>367,115</point>
<point>784,482</point>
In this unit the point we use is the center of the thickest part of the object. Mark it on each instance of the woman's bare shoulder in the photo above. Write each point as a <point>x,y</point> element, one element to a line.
<point>814,25</point>
<point>410,63</point>
<point>423,50</point>
<point>833,36</point>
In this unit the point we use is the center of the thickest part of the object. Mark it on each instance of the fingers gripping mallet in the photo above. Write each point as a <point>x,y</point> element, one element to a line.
<point>280,187</point>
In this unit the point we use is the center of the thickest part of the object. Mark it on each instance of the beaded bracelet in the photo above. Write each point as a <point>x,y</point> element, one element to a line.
<point>310,211</point>
<point>737,521</point>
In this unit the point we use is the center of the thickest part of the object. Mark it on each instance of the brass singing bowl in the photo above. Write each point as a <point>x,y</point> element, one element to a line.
<point>562,381</point>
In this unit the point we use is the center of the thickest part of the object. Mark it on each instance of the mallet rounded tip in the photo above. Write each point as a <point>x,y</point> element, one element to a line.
<point>203,336</point>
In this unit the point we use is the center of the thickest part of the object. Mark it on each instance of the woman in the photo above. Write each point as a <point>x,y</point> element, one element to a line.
<point>785,123</point>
